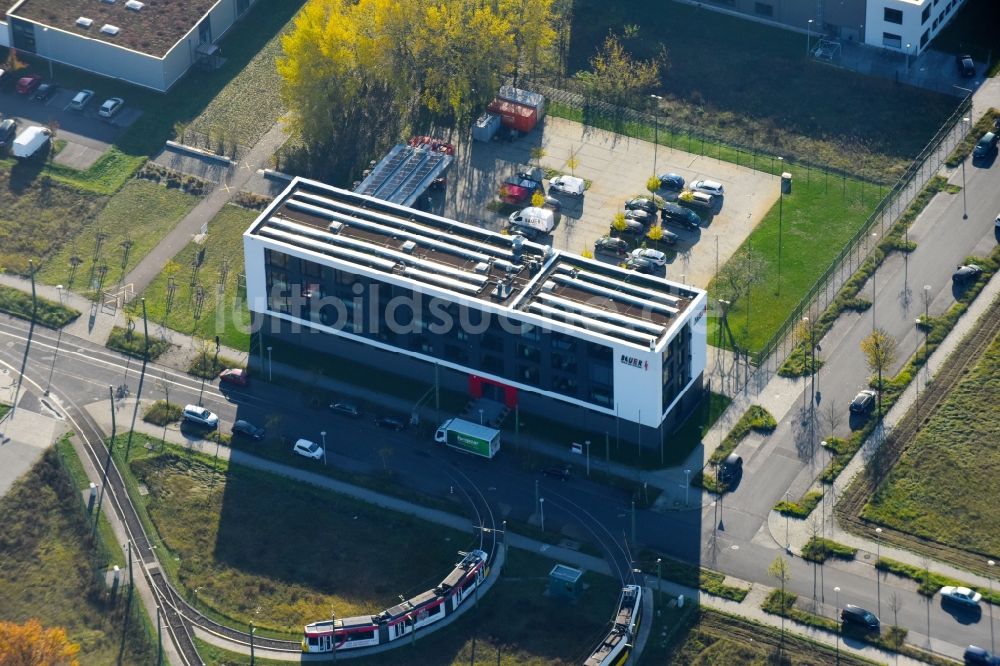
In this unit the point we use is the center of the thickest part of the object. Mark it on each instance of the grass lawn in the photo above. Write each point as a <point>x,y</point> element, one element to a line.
<point>38,216</point>
<point>712,638</point>
<point>932,491</point>
<point>816,219</point>
<point>505,624</point>
<point>141,214</point>
<point>46,560</point>
<point>711,85</point>
<point>253,546</point>
<point>47,313</point>
<point>249,104</point>
<point>223,249</point>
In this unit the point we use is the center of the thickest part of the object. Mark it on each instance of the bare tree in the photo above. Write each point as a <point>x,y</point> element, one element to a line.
<point>779,570</point>
<point>832,416</point>
<point>740,274</point>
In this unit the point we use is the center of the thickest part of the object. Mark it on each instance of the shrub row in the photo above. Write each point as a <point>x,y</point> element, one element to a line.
<point>706,580</point>
<point>49,313</point>
<point>133,343</point>
<point>251,200</point>
<point>818,549</point>
<point>173,179</point>
<point>930,582</point>
<point>965,146</point>
<point>755,418</point>
<point>162,412</point>
<point>206,366</point>
<point>801,508</point>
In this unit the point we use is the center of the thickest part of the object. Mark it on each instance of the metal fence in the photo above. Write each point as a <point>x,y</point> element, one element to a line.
<point>761,364</point>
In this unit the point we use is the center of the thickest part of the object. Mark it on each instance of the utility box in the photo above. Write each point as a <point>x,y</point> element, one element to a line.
<point>486,127</point>
<point>564,582</point>
<point>786,183</point>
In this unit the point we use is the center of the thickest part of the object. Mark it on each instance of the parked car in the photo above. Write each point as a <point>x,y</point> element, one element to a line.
<point>556,472</point>
<point>390,422</point>
<point>45,91</point>
<point>708,187</point>
<point>111,107</point>
<point>346,408</point>
<point>8,130</point>
<point>961,595</point>
<point>985,147</point>
<point>671,182</point>
<point>200,416</point>
<point>966,273</point>
<point>81,100</point>
<point>676,214</point>
<point>966,67</point>
<point>28,84</point>
<point>863,402</point>
<point>641,215</point>
<point>642,203</point>
<point>977,656</point>
<point>640,265</point>
<point>997,223</point>
<point>668,237</point>
<point>655,257</point>
<point>700,200</point>
<point>610,246</point>
<point>243,428</point>
<point>304,447</point>
<point>858,616</point>
<point>570,185</point>
<point>236,376</point>
<point>634,227</point>
<point>731,468</point>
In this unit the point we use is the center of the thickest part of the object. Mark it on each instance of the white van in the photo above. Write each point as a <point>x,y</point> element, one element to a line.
<point>542,219</point>
<point>30,141</point>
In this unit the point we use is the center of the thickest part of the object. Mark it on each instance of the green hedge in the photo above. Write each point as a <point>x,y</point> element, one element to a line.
<point>207,366</point>
<point>802,508</point>
<point>133,343</point>
<point>931,582</point>
<point>818,549</point>
<point>755,418</point>
<point>777,603</point>
<point>162,412</point>
<point>18,304</point>
<point>706,580</point>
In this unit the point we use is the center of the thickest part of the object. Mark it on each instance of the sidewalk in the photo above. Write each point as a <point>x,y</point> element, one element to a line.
<point>801,530</point>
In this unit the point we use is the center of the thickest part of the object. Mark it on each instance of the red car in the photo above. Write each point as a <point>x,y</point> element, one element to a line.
<point>236,376</point>
<point>28,84</point>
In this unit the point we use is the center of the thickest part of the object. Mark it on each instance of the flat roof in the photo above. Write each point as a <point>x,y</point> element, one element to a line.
<point>474,264</point>
<point>153,29</point>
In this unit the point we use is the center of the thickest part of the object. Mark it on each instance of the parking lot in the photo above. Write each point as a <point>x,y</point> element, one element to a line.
<point>617,168</point>
<point>86,134</point>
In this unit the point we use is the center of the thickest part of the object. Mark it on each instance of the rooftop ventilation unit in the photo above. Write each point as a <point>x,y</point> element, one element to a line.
<point>482,267</point>
<point>335,227</point>
<point>109,29</point>
<point>84,22</point>
<point>409,246</point>
<point>134,5</point>
<point>548,285</point>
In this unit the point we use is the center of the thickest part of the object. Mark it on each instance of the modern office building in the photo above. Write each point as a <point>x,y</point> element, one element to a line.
<point>906,26</point>
<point>151,43</point>
<point>419,295</point>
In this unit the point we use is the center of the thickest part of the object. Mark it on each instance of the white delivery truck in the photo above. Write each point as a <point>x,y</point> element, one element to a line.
<point>469,437</point>
<point>541,219</point>
<point>30,141</point>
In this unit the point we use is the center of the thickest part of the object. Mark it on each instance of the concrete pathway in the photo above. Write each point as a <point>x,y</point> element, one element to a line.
<point>202,214</point>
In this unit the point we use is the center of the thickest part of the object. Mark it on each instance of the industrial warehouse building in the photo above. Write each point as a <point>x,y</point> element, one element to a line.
<point>151,43</point>
<point>416,294</point>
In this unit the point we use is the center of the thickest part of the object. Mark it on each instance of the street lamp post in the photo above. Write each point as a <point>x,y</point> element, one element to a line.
<point>788,545</point>
<point>878,556</point>
<point>687,485</point>
<point>656,126</point>
<point>270,366</point>
<point>253,630</point>
<point>837,592</point>
<point>587,444</point>
<point>323,435</point>
<point>989,605</point>
<point>809,25</point>
<point>927,322</point>
<point>659,591</point>
<point>52,369</point>
<point>541,511</point>
<point>781,201</point>
<point>907,58</point>
<point>965,210</point>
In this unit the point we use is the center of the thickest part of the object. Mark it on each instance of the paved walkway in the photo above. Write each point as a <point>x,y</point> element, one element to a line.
<point>207,208</point>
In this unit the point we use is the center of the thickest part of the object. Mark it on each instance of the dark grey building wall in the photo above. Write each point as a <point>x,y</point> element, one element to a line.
<point>829,16</point>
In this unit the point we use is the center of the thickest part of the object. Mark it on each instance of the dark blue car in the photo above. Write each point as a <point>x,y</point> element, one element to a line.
<point>672,181</point>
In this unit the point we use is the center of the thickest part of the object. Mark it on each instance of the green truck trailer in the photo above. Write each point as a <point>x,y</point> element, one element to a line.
<point>469,437</point>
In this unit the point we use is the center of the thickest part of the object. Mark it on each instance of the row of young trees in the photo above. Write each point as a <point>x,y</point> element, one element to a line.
<point>357,73</point>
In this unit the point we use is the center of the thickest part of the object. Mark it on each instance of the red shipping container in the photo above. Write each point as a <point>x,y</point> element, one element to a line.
<point>517,116</point>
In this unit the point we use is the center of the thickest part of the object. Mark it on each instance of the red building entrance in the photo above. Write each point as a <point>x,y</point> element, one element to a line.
<point>480,387</point>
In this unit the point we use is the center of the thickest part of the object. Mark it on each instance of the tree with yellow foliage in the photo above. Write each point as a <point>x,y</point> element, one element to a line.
<point>30,644</point>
